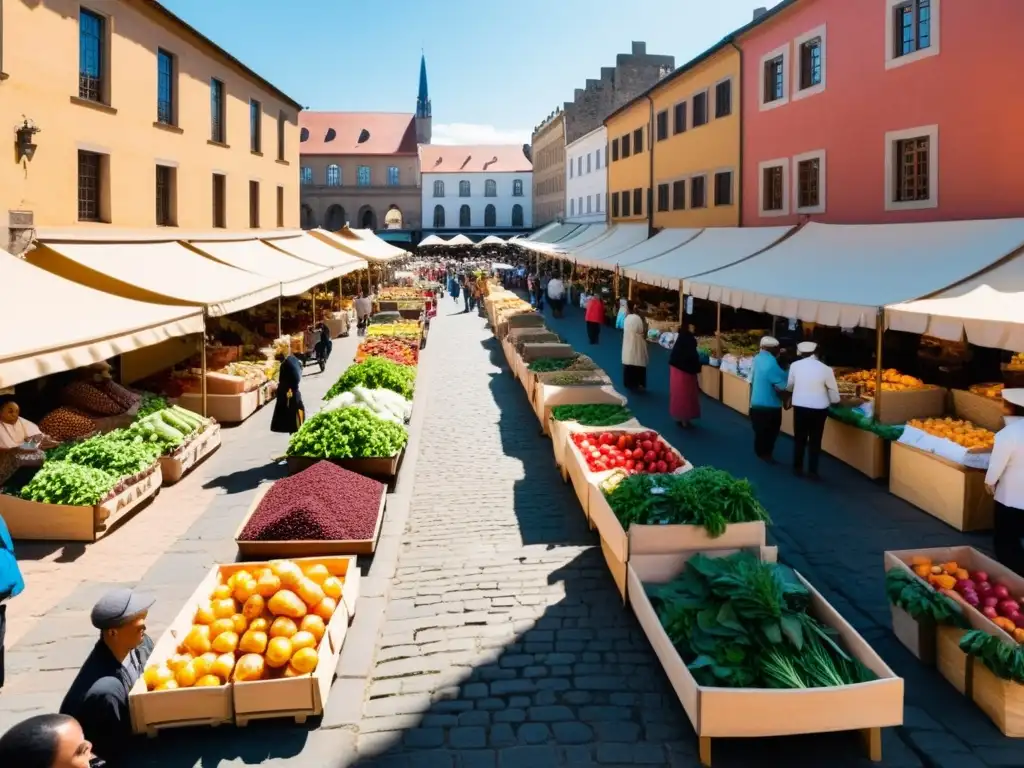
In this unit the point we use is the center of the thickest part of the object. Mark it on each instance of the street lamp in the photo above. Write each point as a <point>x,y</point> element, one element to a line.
<point>24,132</point>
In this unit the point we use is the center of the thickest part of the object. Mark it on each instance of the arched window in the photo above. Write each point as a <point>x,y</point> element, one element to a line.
<point>368,219</point>
<point>490,188</point>
<point>517,215</point>
<point>335,218</point>
<point>463,189</point>
<point>333,175</point>
<point>439,191</point>
<point>464,219</point>
<point>517,188</point>
<point>439,212</point>
<point>305,175</point>
<point>308,217</point>
<point>490,216</point>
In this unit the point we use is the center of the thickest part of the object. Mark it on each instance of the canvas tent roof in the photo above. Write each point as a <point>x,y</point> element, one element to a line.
<point>603,251</point>
<point>841,274</point>
<point>491,240</point>
<point>349,241</point>
<point>662,243</point>
<point>158,273</point>
<point>549,227</point>
<point>432,240</point>
<point>460,239</point>
<point>585,233</point>
<point>256,257</point>
<point>34,343</point>
<point>379,243</point>
<point>553,234</point>
<point>308,248</point>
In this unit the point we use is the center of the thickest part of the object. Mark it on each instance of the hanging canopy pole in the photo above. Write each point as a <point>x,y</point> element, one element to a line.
<point>202,367</point>
<point>280,327</point>
<point>312,295</point>
<point>682,306</point>
<point>879,331</point>
<point>629,288</point>
<point>339,294</point>
<point>718,331</point>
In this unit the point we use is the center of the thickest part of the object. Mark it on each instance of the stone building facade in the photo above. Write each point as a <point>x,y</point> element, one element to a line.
<point>548,150</point>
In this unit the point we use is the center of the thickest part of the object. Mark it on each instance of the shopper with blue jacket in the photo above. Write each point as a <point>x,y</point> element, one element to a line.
<point>11,585</point>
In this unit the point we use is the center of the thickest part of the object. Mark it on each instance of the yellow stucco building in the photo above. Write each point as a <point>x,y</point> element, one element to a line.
<point>691,120</point>
<point>142,122</point>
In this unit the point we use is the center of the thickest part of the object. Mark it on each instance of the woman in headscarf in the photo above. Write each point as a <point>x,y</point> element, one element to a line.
<point>634,350</point>
<point>289,412</point>
<point>684,367</point>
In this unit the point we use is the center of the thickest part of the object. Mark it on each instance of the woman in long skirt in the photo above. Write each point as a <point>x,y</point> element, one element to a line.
<point>634,350</point>
<point>289,412</point>
<point>684,367</point>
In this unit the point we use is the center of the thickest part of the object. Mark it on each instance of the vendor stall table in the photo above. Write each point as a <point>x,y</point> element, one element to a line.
<point>944,489</point>
<point>736,392</point>
<point>711,381</point>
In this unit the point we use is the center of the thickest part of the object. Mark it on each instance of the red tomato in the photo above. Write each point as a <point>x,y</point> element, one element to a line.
<point>629,441</point>
<point>607,438</point>
<point>650,457</point>
<point>584,444</point>
<point>638,454</point>
<point>629,464</point>
<point>662,467</point>
<point>639,466</point>
<point>618,461</point>
<point>604,449</point>
<point>647,445</point>
<point>621,443</point>
<point>595,454</point>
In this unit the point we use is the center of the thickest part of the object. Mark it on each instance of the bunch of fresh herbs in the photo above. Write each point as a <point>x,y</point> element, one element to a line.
<point>1003,660</point>
<point>922,602</point>
<point>550,364</point>
<point>593,414</point>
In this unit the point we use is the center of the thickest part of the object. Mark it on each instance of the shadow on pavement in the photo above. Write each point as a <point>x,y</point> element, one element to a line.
<point>245,480</point>
<point>206,747</point>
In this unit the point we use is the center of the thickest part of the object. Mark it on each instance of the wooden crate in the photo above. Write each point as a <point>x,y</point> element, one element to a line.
<point>273,550</point>
<point>901,407</point>
<point>863,450</point>
<point>918,637</point>
<point>736,392</point>
<point>384,468</point>
<point>547,396</point>
<point>561,432</point>
<point>950,660</point>
<point>542,350</point>
<point>189,455</point>
<point>227,409</point>
<point>754,713</point>
<point>978,409</point>
<point>36,521</point>
<point>953,493</point>
<point>1001,700</point>
<point>710,381</point>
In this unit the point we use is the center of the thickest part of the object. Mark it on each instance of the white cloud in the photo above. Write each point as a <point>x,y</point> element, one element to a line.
<point>473,133</point>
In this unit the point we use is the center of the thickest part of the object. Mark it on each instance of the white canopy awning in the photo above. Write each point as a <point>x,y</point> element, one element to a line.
<point>256,257</point>
<point>431,240</point>
<point>662,243</point>
<point>543,231</point>
<point>460,239</point>
<point>379,244</point>
<point>351,241</point>
<point>552,241</point>
<point>840,275</point>
<point>604,251</point>
<point>587,233</point>
<point>491,240</point>
<point>159,273</point>
<point>711,249</point>
<point>92,326</point>
<point>308,248</point>
<point>988,308</point>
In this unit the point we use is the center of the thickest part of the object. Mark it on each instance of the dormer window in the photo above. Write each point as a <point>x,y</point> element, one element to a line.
<point>364,136</point>
<point>331,135</point>
<point>304,134</point>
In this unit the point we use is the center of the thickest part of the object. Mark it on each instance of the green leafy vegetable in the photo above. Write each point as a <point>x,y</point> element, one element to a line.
<point>921,602</point>
<point>348,433</point>
<point>1003,660</point>
<point>594,415</point>
<point>150,404</point>
<point>376,373</point>
<point>115,453</point>
<point>61,482</point>
<point>577,378</point>
<point>855,418</point>
<point>549,364</point>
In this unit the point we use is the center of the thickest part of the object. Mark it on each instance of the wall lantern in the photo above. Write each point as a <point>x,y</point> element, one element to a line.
<point>25,132</point>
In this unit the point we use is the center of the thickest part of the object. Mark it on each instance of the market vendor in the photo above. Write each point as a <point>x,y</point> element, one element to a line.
<point>1005,481</point>
<point>21,446</point>
<point>767,384</point>
<point>815,390</point>
<point>98,697</point>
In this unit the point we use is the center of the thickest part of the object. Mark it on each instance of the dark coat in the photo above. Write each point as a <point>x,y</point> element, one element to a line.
<point>289,412</point>
<point>684,354</point>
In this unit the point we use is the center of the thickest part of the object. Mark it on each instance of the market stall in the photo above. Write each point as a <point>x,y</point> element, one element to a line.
<point>431,240</point>
<point>603,252</point>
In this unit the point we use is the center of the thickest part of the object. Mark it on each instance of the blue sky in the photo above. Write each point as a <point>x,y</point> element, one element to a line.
<point>496,69</point>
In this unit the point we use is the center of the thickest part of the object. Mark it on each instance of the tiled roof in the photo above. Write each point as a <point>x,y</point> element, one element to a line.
<point>357,133</point>
<point>460,158</point>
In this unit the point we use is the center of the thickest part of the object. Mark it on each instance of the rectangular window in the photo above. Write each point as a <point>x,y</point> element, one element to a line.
<point>363,176</point>
<point>90,185</point>
<point>663,197</point>
<point>393,176</point>
<point>255,126</point>
<point>700,109</point>
<point>165,196</point>
<point>624,196</point>
<point>808,183</point>
<point>280,135</point>
<point>773,189</point>
<point>588,162</point>
<point>679,119</point>
<point>92,58</point>
<point>597,159</point>
<point>810,64</point>
<point>638,141</point>
<point>698,193</point>
<point>280,207</point>
<point>588,202</point>
<point>723,188</point>
<point>912,183</point>
<point>572,168</point>
<point>774,79</point>
<point>679,195</point>
<point>624,144</point>
<point>217,132</point>
<point>579,205</point>
<point>165,107</point>
<point>579,165</point>
<point>219,201</point>
<point>254,205</point>
<point>615,206</point>
<point>638,202</point>
<point>912,27</point>
<point>723,99</point>
<point>615,150</point>
<point>572,206</point>
<point>663,125</point>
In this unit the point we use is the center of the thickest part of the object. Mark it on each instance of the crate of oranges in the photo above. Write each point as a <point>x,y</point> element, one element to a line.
<point>964,433</point>
<point>255,640</point>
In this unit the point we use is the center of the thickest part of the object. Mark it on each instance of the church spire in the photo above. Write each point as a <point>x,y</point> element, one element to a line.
<point>423,96</point>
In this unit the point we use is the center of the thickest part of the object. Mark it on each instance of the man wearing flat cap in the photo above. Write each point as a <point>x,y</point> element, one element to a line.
<point>767,382</point>
<point>814,389</point>
<point>98,698</point>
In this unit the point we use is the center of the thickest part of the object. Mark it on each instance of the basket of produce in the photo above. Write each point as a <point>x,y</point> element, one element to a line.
<point>354,438</point>
<point>903,397</point>
<point>981,404</point>
<point>606,408</point>
<point>323,510</point>
<point>186,438</point>
<point>397,349</point>
<point>255,640</point>
<point>376,373</point>
<point>774,658</point>
<point>963,433</point>
<point>533,336</point>
<point>651,514</point>
<point>596,378</point>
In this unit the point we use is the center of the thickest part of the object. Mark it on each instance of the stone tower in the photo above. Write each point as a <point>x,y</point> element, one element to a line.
<point>423,117</point>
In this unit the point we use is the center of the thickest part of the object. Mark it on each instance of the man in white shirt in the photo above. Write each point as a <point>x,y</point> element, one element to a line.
<point>364,308</point>
<point>814,389</point>
<point>1005,480</point>
<point>556,295</point>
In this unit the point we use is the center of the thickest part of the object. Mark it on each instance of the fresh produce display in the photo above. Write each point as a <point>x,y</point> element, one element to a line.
<point>994,600</point>
<point>1017,360</point>
<point>993,391</point>
<point>855,418</point>
<point>66,424</point>
<point>61,482</point>
<point>739,343</point>
<point>631,452</point>
<point>1003,660</point>
<point>151,404</point>
<point>892,380</point>
<point>396,349</point>
<point>922,603</point>
<point>322,503</point>
<point>593,415</point>
<point>549,364</point>
<point>347,433</point>
<point>376,373</point>
<point>261,623</point>
<point>83,395</point>
<point>410,330</point>
<point>958,431</point>
<point>169,427</point>
<point>577,379</point>
<point>384,403</point>
<point>703,496</point>
<point>741,623</point>
<point>123,396</point>
<point>525,336</point>
<point>704,354</point>
<point>581,363</point>
<point>115,453</point>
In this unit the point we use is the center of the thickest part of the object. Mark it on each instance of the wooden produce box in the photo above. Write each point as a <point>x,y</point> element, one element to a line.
<point>754,713</point>
<point>619,546</point>
<point>863,450</point>
<point>274,550</point>
<point>901,407</point>
<point>980,410</point>
<point>918,637</point>
<point>384,468</point>
<point>227,409</point>
<point>561,432</point>
<point>297,697</point>
<point>190,454</point>
<point>951,492</point>
<point>533,352</point>
<point>510,356</point>
<point>37,521</point>
<point>736,392</point>
<point>710,381</point>
<point>547,396</point>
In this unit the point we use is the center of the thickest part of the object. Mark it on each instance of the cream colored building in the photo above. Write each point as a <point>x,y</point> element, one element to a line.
<point>142,122</point>
<point>548,152</point>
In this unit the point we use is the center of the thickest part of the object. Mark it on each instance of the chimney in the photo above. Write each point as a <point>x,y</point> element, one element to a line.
<point>759,12</point>
<point>639,49</point>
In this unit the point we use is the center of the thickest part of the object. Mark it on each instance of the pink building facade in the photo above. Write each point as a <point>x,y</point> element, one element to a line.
<point>879,111</point>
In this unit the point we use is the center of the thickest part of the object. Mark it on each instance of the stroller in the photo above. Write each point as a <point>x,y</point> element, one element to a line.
<point>317,346</point>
